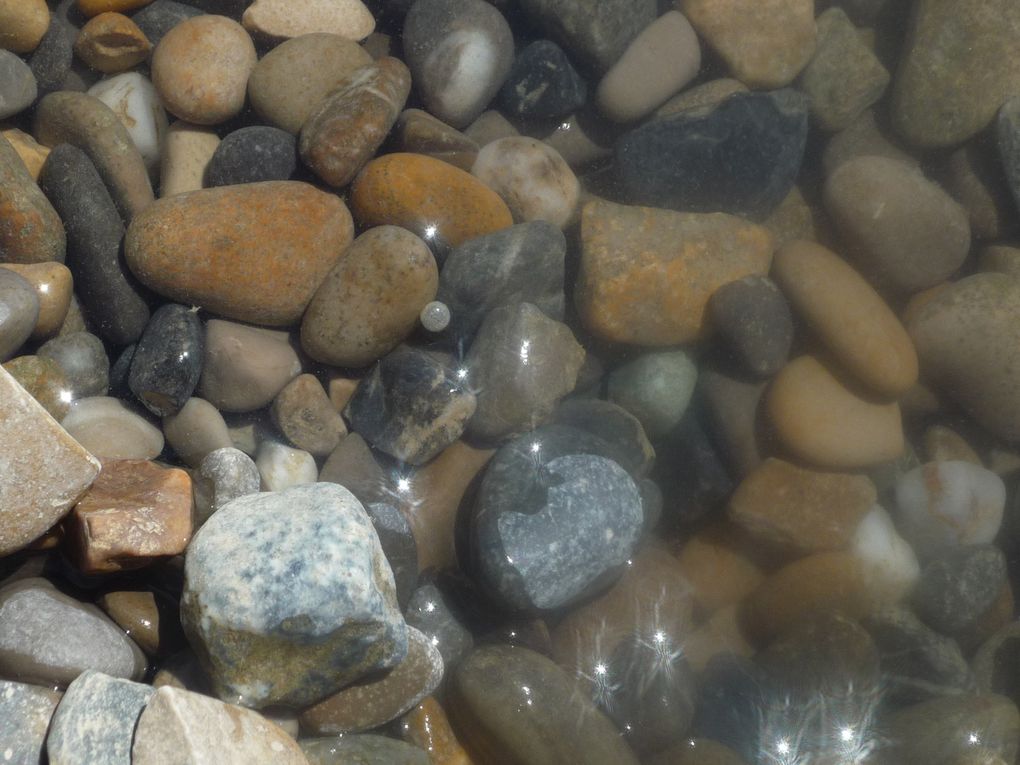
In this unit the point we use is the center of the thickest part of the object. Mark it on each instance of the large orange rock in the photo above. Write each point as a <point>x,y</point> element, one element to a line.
<point>435,200</point>
<point>253,252</point>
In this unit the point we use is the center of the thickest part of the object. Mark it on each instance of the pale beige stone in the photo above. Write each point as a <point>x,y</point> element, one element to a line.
<point>53,285</point>
<point>187,150</point>
<point>23,24</point>
<point>281,19</point>
<point>32,153</point>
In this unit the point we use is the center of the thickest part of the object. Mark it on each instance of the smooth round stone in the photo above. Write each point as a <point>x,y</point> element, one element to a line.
<point>459,53</point>
<point>45,381</point>
<point>160,16</point>
<point>643,277</point>
<point>764,44</point>
<point>442,204</point>
<point>281,466</point>
<point>428,612</point>
<point>186,152</point>
<point>418,132</point>
<point>902,230</point>
<point>52,283</point>
<point>753,319</point>
<point>26,711</point>
<point>295,76</point>
<point>532,178</point>
<point>958,587</point>
<point>582,139</point>
<point>18,87</point>
<point>889,561</point>
<point>965,339</point>
<point>371,299</point>
<point>196,430</point>
<point>254,252</point>
<point>252,154</point>
<point>958,70</point>
<point>303,413</point>
<point>34,233</point>
<point>200,69</point>
<point>276,19</point>
<point>364,749</point>
<point>168,360</point>
<point>135,102</point>
<point>32,153</point>
<point>19,312</point>
<point>435,316</point>
<point>82,357</point>
<point>656,388</point>
<point>542,83</point>
<point>822,422</point>
<point>224,474</point>
<point>22,24</point>
<point>111,430</point>
<point>942,505</point>
<point>245,367</point>
<point>150,619</point>
<point>111,43</point>
<point>850,318</point>
<point>347,127</point>
<point>267,639</point>
<point>611,423</point>
<point>659,62</point>
<point>49,638</point>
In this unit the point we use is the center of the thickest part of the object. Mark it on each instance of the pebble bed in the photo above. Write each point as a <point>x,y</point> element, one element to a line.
<point>524,382</point>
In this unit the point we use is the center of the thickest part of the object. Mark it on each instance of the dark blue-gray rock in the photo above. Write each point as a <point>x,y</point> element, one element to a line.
<point>18,88</point>
<point>612,423</point>
<point>543,84</point>
<point>82,358</point>
<point>49,638</point>
<point>549,530</point>
<point>595,34</point>
<point>1007,131</point>
<point>288,597</point>
<point>95,721</point>
<point>741,157</point>
<point>654,703</point>
<point>410,406</point>
<point>398,544</point>
<point>459,53</point>
<point>753,322</point>
<point>523,263</point>
<point>159,17</point>
<point>25,712</point>
<point>252,154</point>
<point>656,388</point>
<point>112,297</point>
<point>361,749</point>
<point>730,702</point>
<point>168,360</point>
<point>52,59</point>
<point>917,663</point>
<point>19,311</point>
<point>119,370</point>
<point>959,587</point>
<point>694,479</point>
<point>521,363</point>
<point>429,613</point>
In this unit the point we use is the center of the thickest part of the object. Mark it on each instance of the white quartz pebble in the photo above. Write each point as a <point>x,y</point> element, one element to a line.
<point>888,561</point>
<point>135,102</point>
<point>282,466</point>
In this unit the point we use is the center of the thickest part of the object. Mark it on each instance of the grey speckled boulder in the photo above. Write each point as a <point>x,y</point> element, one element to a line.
<point>95,721</point>
<point>288,597</point>
<point>25,712</point>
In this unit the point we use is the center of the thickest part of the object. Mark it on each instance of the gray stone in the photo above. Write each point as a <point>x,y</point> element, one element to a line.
<point>656,388</point>
<point>1007,130</point>
<point>612,423</point>
<point>168,360</point>
<point>861,138</point>
<point>288,597</point>
<point>429,613</point>
<point>49,638</point>
<point>19,310</point>
<point>37,236</point>
<point>195,431</point>
<point>83,359</point>
<point>754,322</point>
<point>224,474</point>
<point>353,466</point>
<point>18,88</point>
<point>397,540</point>
<point>543,84</point>
<point>361,749</point>
<point>159,17</point>
<point>25,712</point>
<point>957,588</point>
<point>95,721</point>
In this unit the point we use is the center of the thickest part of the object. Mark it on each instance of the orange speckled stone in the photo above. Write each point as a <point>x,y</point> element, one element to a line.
<point>646,274</point>
<point>419,193</point>
<point>95,7</point>
<point>30,229</point>
<point>254,252</point>
<point>428,727</point>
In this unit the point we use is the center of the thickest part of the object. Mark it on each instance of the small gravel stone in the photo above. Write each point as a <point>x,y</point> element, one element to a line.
<point>82,358</point>
<point>958,587</point>
<point>282,466</point>
<point>890,562</point>
<point>111,429</point>
<point>754,322</point>
<point>111,43</point>
<point>303,413</point>
<point>276,19</point>
<point>656,388</point>
<point>195,431</point>
<point>168,360</point>
<point>186,152</point>
<point>542,83</point>
<point>224,474</point>
<point>252,154</point>
<point>435,316</point>
<point>18,87</point>
<point>160,16</point>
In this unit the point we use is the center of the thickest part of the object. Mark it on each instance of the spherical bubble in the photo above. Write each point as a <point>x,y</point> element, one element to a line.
<point>435,316</point>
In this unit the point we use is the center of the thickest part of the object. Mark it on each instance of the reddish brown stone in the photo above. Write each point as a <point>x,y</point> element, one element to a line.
<point>428,727</point>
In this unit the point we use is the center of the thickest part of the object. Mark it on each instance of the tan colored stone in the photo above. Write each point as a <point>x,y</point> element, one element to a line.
<point>277,19</point>
<point>136,511</point>
<point>1001,258</point>
<point>820,421</point>
<point>419,132</point>
<point>941,444</point>
<point>45,470</point>
<point>23,24</point>
<point>152,622</point>
<point>111,43</point>
<point>721,634</point>
<point>32,153</point>
<point>32,232</point>
<point>45,381</point>
<point>53,286</point>
<point>792,220</point>
<point>646,274</point>
<point>719,572</point>
<point>305,415</point>
<point>245,367</point>
<point>186,152</point>
<point>95,7</point>
<point>704,96</point>
<point>340,388</point>
<point>427,727</point>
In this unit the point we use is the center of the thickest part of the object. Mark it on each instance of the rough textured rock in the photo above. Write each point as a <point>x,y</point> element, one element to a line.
<point>252,154</point>
<point>304,414</point>
<point>26,711</point>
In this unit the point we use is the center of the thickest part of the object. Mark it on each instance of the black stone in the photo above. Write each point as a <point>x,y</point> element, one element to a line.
<point>694,478</point>
<point>398,544</point>
<point>168,360</point>
<point>429,612</point>
<point>612,423</point>
<point>119,371</point>
<point>520,264</point>
<point>83,359</point>
<point>1007,129</point>
<point>742,157</point>
<point>543,84</point>
<point>410,406</point>
<point>754,322</point>
<point>731,703</point>
<point>956,589</point>
<point>158,18</point>
<point>252,154</point>
<point>113,299</point>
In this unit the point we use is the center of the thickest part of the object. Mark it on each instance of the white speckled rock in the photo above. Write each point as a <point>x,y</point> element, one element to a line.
<point>110,429</point>
<point>95,721</point>
<point>277,19</point>
<point>44,471</point>
<point>25,711</point>
<point>179,727</point>
<point>282,466</point>
<point>888,560</point>
<point>288,597</point>
<point>135,102</point>
<point>944,504</point>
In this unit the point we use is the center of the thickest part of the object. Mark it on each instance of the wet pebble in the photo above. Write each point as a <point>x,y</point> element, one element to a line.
<point>656,388</point>
<point>418,132</point>
<point>167,361</point>
<point>754,321</point>
<point>35,235</point>
<point>429,612</point>
<point>366,748</point>
<point>82,358</point>
<point>19,312</point>
<point>45,382</point>
<point>160,16</point>
<point>613,424</point>
<point>542,83</point>
<point>281,466</point>
<point>110,429</point>
<point>274,19</point>
<point>303,413</point>
<point>399,546</point>
<point>889,561</point>
<point>18,87</point>
<point>958,587</point>
<point>150,620</point>
<point>196,430</point>
<point>252,154</point>
<point>224,474</point>
<point>52,285</point>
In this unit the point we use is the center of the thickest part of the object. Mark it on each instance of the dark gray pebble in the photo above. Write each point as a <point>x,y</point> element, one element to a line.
<point>17,85</point>
<point>754,323</point>
<point>158,18</point>
<point>429,613</point>
<point>252,154</point>
<point>957,588</point>
<point>398,544</point>
<point>543,84</point>
<point>168,360</point>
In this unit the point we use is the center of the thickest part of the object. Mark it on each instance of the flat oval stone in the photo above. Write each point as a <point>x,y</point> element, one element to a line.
<point>821,421</point>
<point>167,360</point>
<point>523,704</point>
<point>274,19</point>
<point>902,230</point>
<point>347,127</point>
<point>19,312</point>
<point>18,87</point>
<point>295,76</point>
<point>849,317</point>
<point>245,367</point>
<point>460,52</point>
<point>200,69</point>
<point>52,283</point>
<point>371,299</point>
<point>542,83</point>
<point>224,248</point>
<point>34,233</point>
<point>437,201</point>
<point>252,154</point>
<point>646,274</point>
<point>111,430</point>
